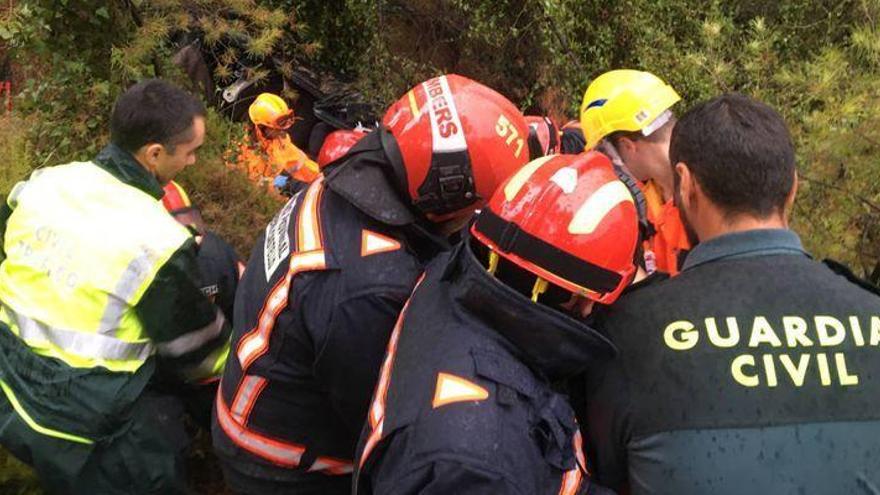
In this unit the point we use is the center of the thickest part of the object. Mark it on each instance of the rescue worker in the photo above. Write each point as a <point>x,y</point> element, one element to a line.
<point>219,271</point>
<point>325,283</point>
<point>543,136</point>
<point>219,266</point>
<point>755,370</point>
<point>467,400</point>
<point>99,293</point>
<point>627,115</point>
<point>271,118</point>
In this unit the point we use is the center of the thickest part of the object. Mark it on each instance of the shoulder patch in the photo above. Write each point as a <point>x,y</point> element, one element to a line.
<point>276,244</point>
<point>451,388</point>
<point>373,243</point>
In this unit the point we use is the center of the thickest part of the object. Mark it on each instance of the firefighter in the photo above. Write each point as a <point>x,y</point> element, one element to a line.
<point>467,400</point>
<point>326,281</point>
<point>99,297</point>
<point>627,115</point>
<point>756,369</point>
<point>219,266</point>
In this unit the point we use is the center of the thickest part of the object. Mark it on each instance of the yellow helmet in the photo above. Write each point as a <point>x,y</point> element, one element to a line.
<point>625,100</point>
<point>270,110</point>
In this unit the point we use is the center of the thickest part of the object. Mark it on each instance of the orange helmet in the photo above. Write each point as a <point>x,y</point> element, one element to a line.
<point>458,140</point>
<point>270,110</point>
<point>337,144</point>
<point>543,136</point>
<point>568,220</point>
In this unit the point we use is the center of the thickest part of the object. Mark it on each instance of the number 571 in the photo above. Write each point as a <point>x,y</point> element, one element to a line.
<point>505,128</point>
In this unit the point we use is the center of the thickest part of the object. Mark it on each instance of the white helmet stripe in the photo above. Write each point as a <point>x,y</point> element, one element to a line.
<point>447,133</point>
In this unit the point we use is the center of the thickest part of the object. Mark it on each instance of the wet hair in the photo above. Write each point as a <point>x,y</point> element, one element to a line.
<point>153,111</point>
<point>739,151</point>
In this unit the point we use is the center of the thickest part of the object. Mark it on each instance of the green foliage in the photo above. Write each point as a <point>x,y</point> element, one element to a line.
<point>17,478</point>
<point>230,204</point>
<point>816,62</point>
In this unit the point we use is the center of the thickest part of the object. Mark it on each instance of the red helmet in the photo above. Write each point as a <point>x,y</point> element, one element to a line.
<point>543,136</point>
<point>175,198</point>
<point>458,141</point>
<point>337,144</point>
<point>568,220</point>
<point>178,204</point>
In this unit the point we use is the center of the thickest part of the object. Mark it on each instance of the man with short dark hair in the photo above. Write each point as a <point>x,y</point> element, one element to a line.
<point>99,298</point>
<point>756,369</point>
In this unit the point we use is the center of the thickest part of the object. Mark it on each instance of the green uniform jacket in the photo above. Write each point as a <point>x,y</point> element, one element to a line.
<point>73,369</point>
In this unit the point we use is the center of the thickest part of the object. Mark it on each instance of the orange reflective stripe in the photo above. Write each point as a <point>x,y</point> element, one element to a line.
<point>246,396</point>
<point>376,416</point>
<point>308,227</point>
<point>330,465</point>
<point>282,453</point>
<point>571,480</point>
<point>309,256</point>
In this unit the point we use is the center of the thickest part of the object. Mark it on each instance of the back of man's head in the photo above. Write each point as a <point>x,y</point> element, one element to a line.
<point>153,111</point>
<point>740,152</point>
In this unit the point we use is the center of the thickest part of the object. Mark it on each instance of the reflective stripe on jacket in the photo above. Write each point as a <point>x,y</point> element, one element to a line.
<point>82,248</point>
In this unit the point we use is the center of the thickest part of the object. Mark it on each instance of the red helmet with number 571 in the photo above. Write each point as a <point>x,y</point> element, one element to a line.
<point>458,141</point>
<point>568,220</point>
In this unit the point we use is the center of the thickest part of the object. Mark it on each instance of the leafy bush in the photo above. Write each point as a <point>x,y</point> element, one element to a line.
<point>816,62</point>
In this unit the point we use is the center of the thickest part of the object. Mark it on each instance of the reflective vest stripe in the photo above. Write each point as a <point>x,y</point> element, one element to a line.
<point>89,345</point>
<point>245,397</point>
<point>286,454</point>
<point>191,341</point>
<point>211,367</point>
<point>332,466</point>
<point>13,400</point>
<point>256,342</point>
<point>119,301</point>
<point>571,480</point>
<point>376,415</point>
<point>282,453</point>
<point>308,236</point>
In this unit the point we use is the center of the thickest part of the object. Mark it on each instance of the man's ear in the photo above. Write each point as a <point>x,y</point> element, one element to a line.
<point>149,155</point>
<point>686,184</point>
<point>789,200</point>
<point>625,146</point>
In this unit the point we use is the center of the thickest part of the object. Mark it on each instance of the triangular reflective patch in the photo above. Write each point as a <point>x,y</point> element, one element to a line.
<point>373,243</point>
<point>451,388</point>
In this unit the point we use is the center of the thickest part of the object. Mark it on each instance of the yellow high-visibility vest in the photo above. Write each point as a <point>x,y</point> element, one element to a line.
<point>82,247</point>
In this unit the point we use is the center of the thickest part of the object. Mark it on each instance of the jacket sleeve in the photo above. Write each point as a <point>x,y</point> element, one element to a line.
<point>607,427</point>
<point>349,355</point>
<point>190,333</point>
<point>442,477</point>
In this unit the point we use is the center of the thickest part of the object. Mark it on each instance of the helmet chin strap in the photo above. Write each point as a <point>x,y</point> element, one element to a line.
<point>449,185</point>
